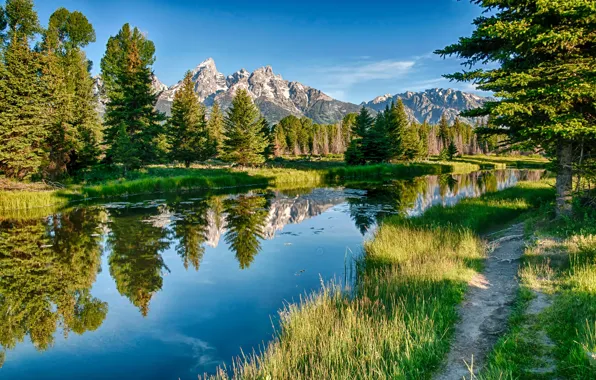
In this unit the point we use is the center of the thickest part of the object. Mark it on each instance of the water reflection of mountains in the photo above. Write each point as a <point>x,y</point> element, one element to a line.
<point>407,197</point>
<point>48,265</point>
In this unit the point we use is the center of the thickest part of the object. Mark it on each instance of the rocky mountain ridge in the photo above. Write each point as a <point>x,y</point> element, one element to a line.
<point>431,104</point>
<point>278,98</point>
<point>275,96</point>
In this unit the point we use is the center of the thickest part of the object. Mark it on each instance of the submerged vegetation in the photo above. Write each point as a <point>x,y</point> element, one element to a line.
<point>397,320</point>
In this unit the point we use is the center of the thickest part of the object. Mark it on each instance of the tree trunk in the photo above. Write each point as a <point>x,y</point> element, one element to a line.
<point>564,178</point>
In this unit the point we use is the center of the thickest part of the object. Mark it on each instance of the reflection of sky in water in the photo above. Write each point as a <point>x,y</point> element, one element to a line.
<point>200,319</point>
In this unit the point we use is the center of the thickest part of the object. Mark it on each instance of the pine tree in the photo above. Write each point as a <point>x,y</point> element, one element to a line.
<point>412,145</point>
<point>355,154</point>
<point>245,141</point>
<point>545,52</point>
<point>86,118</point>
<point>128,77</point>
<point>347,124</point>
<point>451,151</point>
<point>444,131</point>
<point>424,134</point>
<point>23,119</point>
<point>267,131</point>
<point>215,126</point>
<point>188,135</point>
<point>75,129</point>
<point>397,122</point>
<point>376,144</point>
<point>280,142</point>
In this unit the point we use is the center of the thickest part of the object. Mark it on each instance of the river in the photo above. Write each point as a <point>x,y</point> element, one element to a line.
<point>172,286</point>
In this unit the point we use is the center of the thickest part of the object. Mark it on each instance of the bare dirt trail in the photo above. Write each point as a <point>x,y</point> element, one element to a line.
<point>487,306</point>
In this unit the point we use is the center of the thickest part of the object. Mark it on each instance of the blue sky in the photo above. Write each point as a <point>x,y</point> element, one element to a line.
<point>354,51</point>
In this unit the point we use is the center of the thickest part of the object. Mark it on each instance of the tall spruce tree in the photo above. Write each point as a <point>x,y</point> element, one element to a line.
<point>452,151</point>
<point>376,145</point>
<point>126,71</point>
<point>544,83</point>
<point>412,145</point>
<point>355,154</point>
<point>23,113</point>
<point>424,132</point>
<point>444,131</point>
<point>245,142</point>
<point>187,127</point>
<point>75,130</point>
<point>396,124</point>
<point>215,126</point>
<point>267,131</point>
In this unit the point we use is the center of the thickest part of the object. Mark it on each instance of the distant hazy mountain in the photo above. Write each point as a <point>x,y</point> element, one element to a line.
<point>430,104</point>
<point>278,98</point>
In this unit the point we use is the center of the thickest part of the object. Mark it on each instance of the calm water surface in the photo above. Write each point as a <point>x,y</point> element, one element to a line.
<point>173,287</point>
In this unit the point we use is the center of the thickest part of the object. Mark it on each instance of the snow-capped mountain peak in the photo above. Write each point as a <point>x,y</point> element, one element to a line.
<point>278,98</point>
<point>275,96</point>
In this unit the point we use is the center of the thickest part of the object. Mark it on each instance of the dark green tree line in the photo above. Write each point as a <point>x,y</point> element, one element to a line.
<point>47,118</point>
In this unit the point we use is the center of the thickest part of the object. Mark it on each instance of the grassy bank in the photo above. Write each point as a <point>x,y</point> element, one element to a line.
<point>560,340</point>
<point>155,180</point>
<point>487,162</point>
<point>397,321</point>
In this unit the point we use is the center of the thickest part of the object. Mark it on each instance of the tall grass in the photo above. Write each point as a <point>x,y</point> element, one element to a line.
<point>19,200</point>
<point>572,318</point>
<point>397,321</point>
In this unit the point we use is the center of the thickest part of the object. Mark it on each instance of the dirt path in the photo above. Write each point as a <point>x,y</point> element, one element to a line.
<point>485,311</point>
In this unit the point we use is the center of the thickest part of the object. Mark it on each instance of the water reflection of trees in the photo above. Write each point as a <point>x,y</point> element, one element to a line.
<point>190,229</point>
<point>245,218</point>
<point>48,267</point>
<point>135,261</point>
<point>382,199</point>
<point>415,195</point>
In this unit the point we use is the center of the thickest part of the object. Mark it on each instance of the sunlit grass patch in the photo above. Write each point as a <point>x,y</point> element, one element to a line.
<point>20,200</point>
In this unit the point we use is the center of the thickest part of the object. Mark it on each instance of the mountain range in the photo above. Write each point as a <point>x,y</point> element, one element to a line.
<point>278,98</point>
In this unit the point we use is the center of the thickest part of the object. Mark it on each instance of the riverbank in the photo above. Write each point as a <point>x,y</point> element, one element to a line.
<point>161,179</point>
<point>398,320</point>
<point>552,333</point>
<point>490,162</point>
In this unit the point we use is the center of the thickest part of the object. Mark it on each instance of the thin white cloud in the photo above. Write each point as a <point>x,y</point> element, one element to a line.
<point>426,84</point>
<point>344,76</point>
<point>426,56</point>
